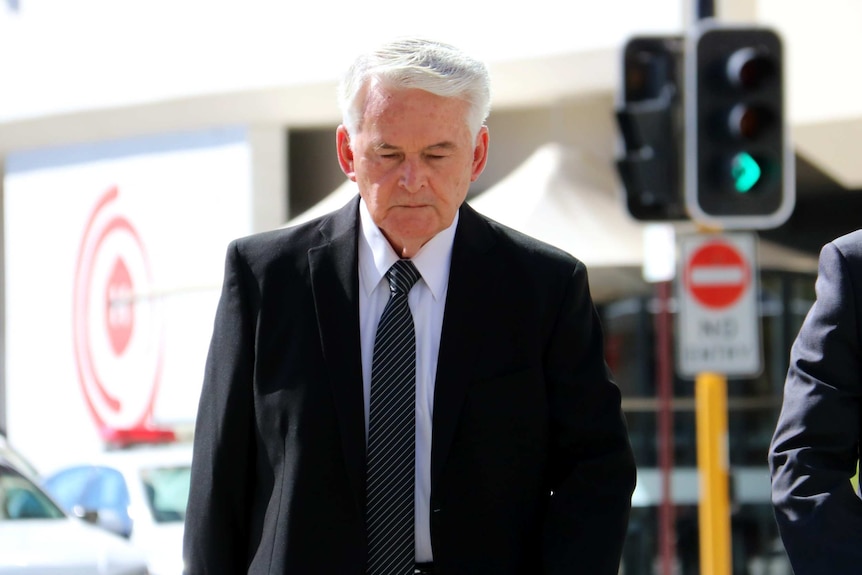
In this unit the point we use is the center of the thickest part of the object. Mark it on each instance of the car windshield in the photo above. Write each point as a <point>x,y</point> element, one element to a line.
<point>167,491</point>
<point>21,499</point>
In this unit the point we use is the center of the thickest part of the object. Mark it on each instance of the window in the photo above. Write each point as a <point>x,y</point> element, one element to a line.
<point>21,499</point>
<point>167,490</point>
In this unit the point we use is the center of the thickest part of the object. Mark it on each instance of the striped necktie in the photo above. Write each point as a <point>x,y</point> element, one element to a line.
<point>392,432</point>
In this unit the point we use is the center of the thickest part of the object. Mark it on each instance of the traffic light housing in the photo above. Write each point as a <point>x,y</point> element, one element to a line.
<point>651,123</point>
<point>739,164</point>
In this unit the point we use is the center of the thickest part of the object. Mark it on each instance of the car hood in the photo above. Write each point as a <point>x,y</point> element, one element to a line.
<point>65,546</point>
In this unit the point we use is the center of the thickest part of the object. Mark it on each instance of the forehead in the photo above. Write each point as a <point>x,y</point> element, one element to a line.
<point>389,112</point>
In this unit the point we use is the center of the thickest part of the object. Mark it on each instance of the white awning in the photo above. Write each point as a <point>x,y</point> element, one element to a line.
<point>334,200</point>
<point>562,197</point>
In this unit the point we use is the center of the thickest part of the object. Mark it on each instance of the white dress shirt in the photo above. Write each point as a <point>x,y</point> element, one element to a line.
<point>427,301</point>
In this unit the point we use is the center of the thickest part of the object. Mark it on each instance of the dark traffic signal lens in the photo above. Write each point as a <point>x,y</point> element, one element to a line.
<point>748,69</point>
<point>747,122</point>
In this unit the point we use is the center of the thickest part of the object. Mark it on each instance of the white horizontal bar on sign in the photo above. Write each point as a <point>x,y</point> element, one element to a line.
<point>717,275</point>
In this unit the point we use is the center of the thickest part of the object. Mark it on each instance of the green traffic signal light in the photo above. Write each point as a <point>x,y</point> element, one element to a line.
<point>745,172</point>
<point>738,161</point>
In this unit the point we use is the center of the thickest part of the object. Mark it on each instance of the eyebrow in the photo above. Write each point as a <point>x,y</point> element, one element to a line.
<point>446,145</point>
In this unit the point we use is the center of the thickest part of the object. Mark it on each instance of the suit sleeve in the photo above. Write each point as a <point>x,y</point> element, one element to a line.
<point>216,524</point>
<point>815,447</point>
<point>592,465</point>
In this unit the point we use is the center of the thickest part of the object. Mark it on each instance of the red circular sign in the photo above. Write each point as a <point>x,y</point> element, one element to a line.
<point>717,275</point>
<point>118,343</point>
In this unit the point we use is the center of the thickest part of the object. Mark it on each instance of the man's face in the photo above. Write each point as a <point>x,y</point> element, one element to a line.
<point>413,160</point>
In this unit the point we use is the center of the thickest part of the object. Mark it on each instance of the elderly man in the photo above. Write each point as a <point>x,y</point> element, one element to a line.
<point>403,385</point>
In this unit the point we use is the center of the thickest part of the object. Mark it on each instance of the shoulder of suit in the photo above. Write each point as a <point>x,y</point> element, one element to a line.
<point>850,245</point>
<point>847,250</point>
<point>302,236</point>
<point>263,249</point>
<point>272,240</point>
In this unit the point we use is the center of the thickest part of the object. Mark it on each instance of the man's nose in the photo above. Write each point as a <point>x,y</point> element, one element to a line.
<point>413,174</point>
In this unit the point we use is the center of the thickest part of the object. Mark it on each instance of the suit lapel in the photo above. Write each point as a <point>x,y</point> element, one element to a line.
<point>335,285</point>
<point>467,302</point>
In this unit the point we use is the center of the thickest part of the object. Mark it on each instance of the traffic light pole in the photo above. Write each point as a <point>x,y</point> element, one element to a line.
<point>705,9</point>
<point>712,449</point>
<point>713,459</point>
<point>712,463</point>
<point>664,380</point>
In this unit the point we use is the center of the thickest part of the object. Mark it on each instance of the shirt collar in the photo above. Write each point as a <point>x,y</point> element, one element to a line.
<point>376,256</point>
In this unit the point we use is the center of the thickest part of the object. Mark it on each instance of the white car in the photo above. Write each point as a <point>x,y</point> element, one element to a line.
<point>139,492</point>
<point>38,538</point>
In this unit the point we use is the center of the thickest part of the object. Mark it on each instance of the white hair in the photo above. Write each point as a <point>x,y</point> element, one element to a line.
<point>415,63</point>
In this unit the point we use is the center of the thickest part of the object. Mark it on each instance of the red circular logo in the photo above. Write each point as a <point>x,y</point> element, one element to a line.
<point>117,332</point>
<point>717,275</point>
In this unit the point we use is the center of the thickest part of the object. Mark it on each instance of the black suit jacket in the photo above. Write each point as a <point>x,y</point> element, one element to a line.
<point>816,445</point>
<point>531,466</point>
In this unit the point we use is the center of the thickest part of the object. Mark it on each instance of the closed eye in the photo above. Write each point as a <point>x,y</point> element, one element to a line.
<point>439,151</point>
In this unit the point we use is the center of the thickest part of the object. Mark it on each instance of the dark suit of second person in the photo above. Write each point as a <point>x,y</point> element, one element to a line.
<point>815,450</point>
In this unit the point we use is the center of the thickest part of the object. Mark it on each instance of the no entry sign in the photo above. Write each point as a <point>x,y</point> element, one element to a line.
<point>719,323</point>
<point>717,274</point>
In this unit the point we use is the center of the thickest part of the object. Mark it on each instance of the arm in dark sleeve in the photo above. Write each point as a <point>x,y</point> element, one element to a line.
<point>815,448</point>
<point>592,465</point>
<point>216,524</point>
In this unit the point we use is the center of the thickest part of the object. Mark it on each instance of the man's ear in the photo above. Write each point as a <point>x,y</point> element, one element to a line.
<point>480,153</point>
<point>345,152</point>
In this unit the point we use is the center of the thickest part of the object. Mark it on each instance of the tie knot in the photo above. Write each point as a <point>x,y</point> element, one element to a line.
<point>402,275</point>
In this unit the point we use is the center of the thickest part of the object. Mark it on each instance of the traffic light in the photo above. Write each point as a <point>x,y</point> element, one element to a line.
<point>650,120</point>
<point>739,164</point>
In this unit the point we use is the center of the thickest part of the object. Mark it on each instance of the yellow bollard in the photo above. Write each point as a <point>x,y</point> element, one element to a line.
<point>712,464</point>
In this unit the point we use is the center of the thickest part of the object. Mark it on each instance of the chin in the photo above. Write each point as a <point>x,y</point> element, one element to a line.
<point>414,226</point>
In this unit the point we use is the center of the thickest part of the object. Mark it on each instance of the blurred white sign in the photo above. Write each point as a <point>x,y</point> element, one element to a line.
<point>114,259</point>
<point>659,245</point>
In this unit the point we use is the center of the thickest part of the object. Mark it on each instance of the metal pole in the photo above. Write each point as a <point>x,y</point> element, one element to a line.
<point>704,9</point>
<point>712,455</point>
<point>664,380</point>
<point>712,463</point>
